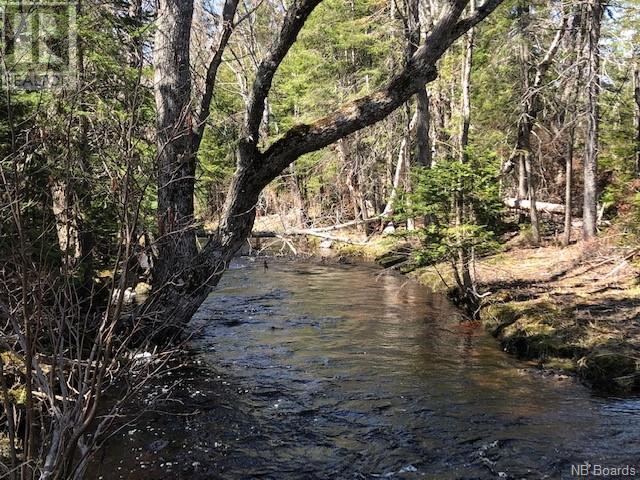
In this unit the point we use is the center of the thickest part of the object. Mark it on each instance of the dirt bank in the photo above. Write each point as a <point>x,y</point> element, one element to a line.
<point>575,308</point>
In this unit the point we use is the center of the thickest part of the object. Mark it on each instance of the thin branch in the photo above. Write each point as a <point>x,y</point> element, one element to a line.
<point>228,13</point>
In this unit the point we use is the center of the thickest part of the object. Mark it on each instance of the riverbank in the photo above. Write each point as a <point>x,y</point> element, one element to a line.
<point>572,310</point>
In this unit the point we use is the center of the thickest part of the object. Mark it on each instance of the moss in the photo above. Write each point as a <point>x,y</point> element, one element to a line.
<point>354,251</point>
<point>369,251</point>
<point>563,364</point>
<point>610,370</point>
<point>532,329</point>
<point>5,450</point>
<point>12,362</point>
<point>438,278</point>
<point>142,289</point>
<point>497,316</point>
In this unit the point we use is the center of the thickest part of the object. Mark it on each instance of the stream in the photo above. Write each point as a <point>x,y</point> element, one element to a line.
<point>312,371</point>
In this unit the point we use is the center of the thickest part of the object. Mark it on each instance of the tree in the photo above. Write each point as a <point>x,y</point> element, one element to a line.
<point>569,110</point>
<point>532,78</point>
<point>464,276</point>
<point>636,90</point>
<point>595,12</point>
<point>188,277</point>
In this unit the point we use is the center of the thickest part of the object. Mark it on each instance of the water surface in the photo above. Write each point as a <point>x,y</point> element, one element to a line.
<point>339,372</point>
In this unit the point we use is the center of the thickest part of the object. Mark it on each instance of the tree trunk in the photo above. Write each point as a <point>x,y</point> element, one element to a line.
<point>298,201</point>
<point>66,223</point>
<point>636,90</point>
<point>533,209</point>
<point>176,162</point>
<point>532,77</point>
<point>566,238</point>
<point>590,206</point>
<point>464,255</point>
<point>423,130</point>
<point>523,187</point>
<point>71,194</point>
<point>574,42</point>
<point>526,205</point>
<point>525,125</point>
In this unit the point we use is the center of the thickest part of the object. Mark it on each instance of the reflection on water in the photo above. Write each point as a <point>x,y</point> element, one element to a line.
<point>347,374</point>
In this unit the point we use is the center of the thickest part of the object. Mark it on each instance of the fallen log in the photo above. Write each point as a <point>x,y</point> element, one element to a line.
<point>352,223</point>
<point>541,206</point>
<point>308,232</point>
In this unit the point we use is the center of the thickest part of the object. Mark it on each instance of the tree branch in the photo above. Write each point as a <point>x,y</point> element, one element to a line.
<point>294,20</point>
<point>420,70</point>
<point>228,13</point>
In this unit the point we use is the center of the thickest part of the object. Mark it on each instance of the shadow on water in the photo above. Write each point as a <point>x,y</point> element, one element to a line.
<point>332,372</point>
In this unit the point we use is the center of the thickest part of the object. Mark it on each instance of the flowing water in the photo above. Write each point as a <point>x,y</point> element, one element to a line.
<point>337,372</point>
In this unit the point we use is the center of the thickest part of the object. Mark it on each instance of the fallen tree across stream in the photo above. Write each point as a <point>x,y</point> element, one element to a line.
<point>307,232</point>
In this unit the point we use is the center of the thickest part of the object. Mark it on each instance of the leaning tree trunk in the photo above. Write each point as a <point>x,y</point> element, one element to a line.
<point>173,303</point>
<point>590,206</point>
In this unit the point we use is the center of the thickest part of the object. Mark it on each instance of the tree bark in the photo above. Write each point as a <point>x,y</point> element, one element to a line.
<point>568,187</point>
<point>590,206</point>
<point>526,205</point>
<point>176,162</point>
<point>423,127</point>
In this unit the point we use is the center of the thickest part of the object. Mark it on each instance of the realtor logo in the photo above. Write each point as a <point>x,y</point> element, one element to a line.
<point>38,45</point>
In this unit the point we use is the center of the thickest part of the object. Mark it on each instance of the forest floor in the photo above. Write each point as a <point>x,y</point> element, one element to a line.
<point>573,309</point>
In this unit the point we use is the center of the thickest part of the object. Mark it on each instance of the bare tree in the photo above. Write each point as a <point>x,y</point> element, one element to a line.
<point>569,99</point>
<point>636,91</point>
<point>532,77</point>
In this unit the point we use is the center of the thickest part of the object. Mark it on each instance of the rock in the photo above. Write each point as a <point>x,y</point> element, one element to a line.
<point>610,370</point>
<point>399,254</point>
<point>157,445</point>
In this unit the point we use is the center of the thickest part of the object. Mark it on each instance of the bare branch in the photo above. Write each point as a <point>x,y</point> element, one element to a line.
<point>228,13</point>
<point>293,22</point>
<point>420,70</point>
